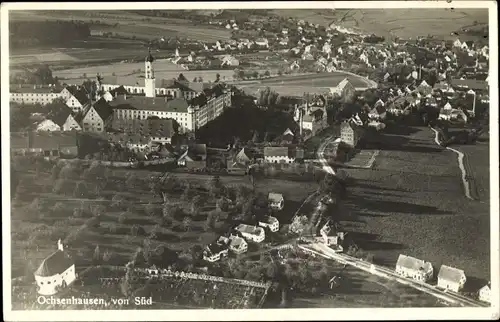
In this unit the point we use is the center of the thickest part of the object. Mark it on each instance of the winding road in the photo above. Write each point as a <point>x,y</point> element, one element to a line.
<point>325,251</point>
<point>460,157</point>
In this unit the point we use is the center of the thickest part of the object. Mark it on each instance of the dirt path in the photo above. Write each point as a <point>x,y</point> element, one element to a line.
<point>460,157</point>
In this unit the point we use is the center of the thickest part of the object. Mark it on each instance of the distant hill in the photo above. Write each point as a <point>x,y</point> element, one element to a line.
<point>403,23</point>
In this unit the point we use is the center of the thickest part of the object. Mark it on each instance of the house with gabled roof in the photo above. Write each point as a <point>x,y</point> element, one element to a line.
<point>47,125</point>
<point>215,251</point>
<point>414,268</point>
<point>56,272</point>
<point>485,293</point>
<point>240,161</point>
<point>76,98</point>
<point>251,233</point>
<point>65,120</point>
<point>237,244</point>
<point>344,89</point>
<point>450,278</point>
<point>194,157</point>
<point>276,201</point>
<point>270,222</point>
<point>97,117</point>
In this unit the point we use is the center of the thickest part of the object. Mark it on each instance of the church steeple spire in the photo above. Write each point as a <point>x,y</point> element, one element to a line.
<point>150,57</point>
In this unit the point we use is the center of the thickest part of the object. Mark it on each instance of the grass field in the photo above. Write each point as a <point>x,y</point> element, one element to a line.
<point>35,233</point>
<point>361,289</point>
<point>130,24</point>
<point>404,23</point>
<point>413,202</point>
<point>128,75</point>
<point>296,85</point>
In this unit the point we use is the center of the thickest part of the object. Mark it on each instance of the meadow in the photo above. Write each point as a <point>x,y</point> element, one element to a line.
<point>132,24</point>
<point>62,203</point>
<point>130,73</point>
<point>296,85</point>
<point>412,202</point>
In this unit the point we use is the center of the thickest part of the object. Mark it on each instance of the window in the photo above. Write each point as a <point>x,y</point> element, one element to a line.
<point>48,282</point>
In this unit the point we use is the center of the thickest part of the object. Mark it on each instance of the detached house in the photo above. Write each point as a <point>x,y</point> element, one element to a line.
<point>237,244</point>
<point>215,251</point>
<point>485,294</point>
<point>252,233</point>
<point>271,222</point>
<point>239,162</point>
<point>276,201</point>
<point>450,278</point>
<point>414,268</point>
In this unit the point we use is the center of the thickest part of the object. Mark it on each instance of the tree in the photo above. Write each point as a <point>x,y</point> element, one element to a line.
<point>182,78</point>
<point>217,77</point>
<point>215,186</point>
<point>80,189</point>
<point>97,255</point>
<point>255,74</point>
<point>195,79</point>
<point>200,79</point>
<point>267,73</point>
<point>127,283</point>
<point>107,256</point>
<point>117,201</point>
<point>186,223</point>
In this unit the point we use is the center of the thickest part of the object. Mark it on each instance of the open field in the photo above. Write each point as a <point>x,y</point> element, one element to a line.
<point>131,24</point>
<point>128,73</point>
<point>404,23</point>
<point>40,216</point>
<point>297,85</point>
<point>361,289</point>
<point>413,202</point>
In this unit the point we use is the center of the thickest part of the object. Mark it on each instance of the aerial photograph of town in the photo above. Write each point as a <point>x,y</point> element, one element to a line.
<point>249,159</point>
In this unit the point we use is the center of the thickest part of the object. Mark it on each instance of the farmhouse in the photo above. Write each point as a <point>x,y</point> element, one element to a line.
<point>414,268</point>
<point>276,201</point>
<point>55,272</point>
<point>485,293</point>
<point>252,233</point>
<point>330,236</point>
<point>451,278</point>
<point>271,222</point>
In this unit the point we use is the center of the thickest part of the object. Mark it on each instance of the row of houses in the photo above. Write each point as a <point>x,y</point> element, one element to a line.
<point>448,278</point>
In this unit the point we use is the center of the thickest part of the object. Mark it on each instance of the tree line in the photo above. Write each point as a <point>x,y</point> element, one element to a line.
<point>33,33</point>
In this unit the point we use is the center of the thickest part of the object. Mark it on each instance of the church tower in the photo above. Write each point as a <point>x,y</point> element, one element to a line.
<point>149,77</point>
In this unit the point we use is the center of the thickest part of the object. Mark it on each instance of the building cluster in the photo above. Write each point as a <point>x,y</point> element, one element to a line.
<point>242,234</point>
<point>448,278</point>
<point>138,117</point>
